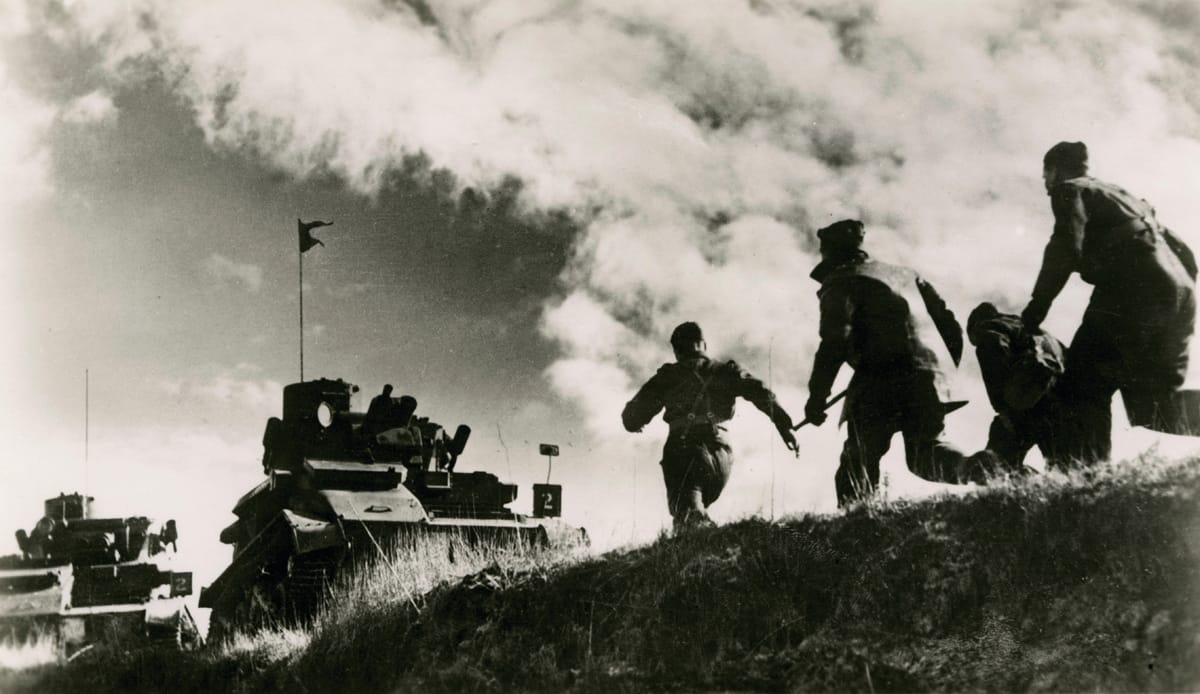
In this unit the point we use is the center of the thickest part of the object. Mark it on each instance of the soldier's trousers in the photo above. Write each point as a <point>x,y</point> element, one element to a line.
<point>695,470</point>
<point>1134,338</point>
<point>872,421</point>
<point>1013,443</point>
<point>1011,438</point>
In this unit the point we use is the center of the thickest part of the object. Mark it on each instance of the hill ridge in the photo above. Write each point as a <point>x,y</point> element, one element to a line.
<point>1087,582</point>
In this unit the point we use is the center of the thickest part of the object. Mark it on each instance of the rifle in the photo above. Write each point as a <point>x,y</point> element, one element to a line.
<point>832,401</point>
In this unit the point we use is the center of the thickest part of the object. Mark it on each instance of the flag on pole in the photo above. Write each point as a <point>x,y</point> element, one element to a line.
<point>307,240</point>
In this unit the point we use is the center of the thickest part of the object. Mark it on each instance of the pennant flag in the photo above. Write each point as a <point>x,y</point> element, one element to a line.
<point>307,240</point>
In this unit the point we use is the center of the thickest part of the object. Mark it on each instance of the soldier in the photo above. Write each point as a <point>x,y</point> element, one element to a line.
<point>377,413</point>
<point>698,395</point>
<point>1136,328</point>
<point>1020,372</point>
<point>903,343</point>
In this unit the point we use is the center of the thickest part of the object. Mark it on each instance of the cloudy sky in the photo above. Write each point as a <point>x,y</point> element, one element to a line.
<point>527,195</point>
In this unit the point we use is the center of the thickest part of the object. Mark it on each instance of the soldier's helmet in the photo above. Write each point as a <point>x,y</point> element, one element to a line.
<point>1067,157</point>
<point>841,238</point>
<point>686,334</point>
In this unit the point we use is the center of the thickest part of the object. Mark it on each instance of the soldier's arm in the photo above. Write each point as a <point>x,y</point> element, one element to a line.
<point>758,394</point>
<point>837,312</point>
<point>943,318</point>
<point>1062,253</point>
<point>645,404</point>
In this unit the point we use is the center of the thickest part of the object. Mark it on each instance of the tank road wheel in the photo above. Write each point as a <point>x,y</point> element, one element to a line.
<point>179,634</point>
<point>310,577</point>
<point>266,603</point>
<point>166,635</point>
<point>259,606</point>
<point>220,624</point>
<point>189,631</point>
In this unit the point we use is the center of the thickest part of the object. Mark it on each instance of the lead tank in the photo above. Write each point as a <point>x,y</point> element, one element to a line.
<point>342,484</point>
<point>81,580</point>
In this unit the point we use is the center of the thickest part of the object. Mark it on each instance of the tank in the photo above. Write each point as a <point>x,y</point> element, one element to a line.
<point>82,580</point>
<point>342,485</point>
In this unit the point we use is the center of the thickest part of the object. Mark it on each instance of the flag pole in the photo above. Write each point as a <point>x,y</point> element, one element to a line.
<point>304,242</point>
<point>301,255</point>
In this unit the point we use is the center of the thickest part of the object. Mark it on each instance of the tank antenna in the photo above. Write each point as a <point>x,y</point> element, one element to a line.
<point>301,255</point>
<point>86,413</point>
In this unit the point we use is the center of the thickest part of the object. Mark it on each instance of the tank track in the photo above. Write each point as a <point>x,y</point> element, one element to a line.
<point>310,577</point>
<point>292,594</point>
<point>181,634</point>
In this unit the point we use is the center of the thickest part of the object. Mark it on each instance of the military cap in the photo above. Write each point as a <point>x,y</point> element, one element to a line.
<point>685,334</point>
<point>985,311</point>
<point>1071,157</point>
<point>841,237</point>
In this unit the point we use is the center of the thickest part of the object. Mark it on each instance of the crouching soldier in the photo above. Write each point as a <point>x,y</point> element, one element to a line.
<point>1020,372</point>
<point>698,395</point>
<point>894,330</point>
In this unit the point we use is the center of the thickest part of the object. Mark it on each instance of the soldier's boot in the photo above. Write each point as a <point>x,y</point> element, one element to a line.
<point>692,519</point>
<point>982,467</point>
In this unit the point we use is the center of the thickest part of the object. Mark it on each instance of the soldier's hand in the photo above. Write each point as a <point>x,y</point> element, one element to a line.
<point>814,411</point>
<point>1032,317</point>
<point>789,440</point>
<point>1024,340</point>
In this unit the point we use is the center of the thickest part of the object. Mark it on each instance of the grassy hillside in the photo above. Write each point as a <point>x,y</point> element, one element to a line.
<point>1087,583</point>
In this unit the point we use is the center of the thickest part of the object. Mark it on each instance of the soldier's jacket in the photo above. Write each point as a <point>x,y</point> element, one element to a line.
<point>887,323</point>
<point>697,394</point>
<point>1098,228</point>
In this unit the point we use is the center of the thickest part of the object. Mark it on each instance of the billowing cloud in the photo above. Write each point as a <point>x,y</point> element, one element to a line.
<point>350,290</point>
<point>698,149</point>
<point>24,158</point>
<point>224,270</point>
<point>93,107</point>
<point>25,180</point>
<point>259,397</point>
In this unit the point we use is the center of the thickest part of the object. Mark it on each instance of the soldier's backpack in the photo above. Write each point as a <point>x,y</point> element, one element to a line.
<point>1181,250</point>
<point>1038,361</point>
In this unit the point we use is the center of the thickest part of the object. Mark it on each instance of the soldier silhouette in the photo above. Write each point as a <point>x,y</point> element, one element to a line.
<point>697,396</point>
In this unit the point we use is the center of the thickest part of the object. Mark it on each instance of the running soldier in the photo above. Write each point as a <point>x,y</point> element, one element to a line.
<point>697,395</point>
<point>903,343</point>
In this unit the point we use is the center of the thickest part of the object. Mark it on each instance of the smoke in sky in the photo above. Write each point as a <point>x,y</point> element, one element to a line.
<point>698,148</point>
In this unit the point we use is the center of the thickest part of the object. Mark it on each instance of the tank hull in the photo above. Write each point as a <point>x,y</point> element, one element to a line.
<point>283,575</point>
<point>43,603</point>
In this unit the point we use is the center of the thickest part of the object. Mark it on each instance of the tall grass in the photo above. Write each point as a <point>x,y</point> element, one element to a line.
<point>376,610</point>
<point>40,648</point>
<point>395,578</point>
